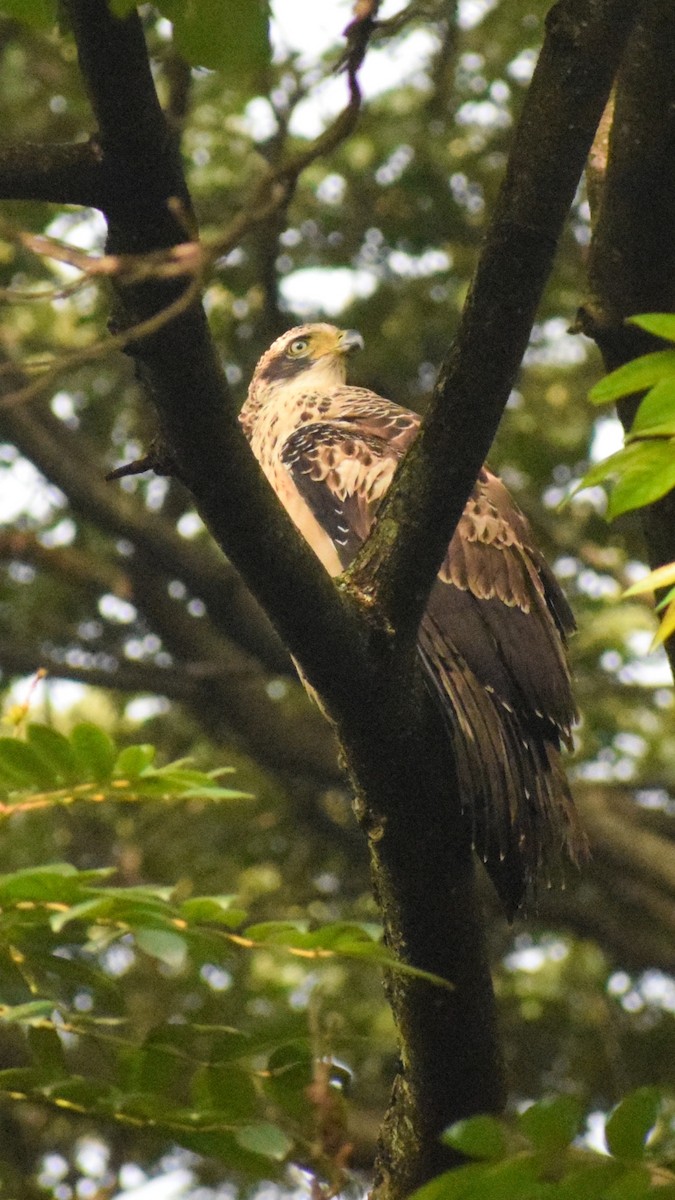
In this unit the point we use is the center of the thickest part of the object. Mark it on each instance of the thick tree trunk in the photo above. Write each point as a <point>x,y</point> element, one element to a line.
<point>632,262</point>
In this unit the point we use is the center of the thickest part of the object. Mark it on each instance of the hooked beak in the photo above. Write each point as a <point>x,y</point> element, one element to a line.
<point>350,340</point>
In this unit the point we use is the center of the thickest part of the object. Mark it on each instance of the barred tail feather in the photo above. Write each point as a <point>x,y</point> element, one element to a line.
<point>509,774</point>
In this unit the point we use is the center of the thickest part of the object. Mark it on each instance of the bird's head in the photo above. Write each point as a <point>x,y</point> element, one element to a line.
<point>314,356</point>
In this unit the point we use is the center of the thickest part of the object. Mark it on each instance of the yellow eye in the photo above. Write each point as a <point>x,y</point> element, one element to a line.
<point>298,347</point>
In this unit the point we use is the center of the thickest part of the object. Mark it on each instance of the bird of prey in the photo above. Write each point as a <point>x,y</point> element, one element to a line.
<point>492,639</point>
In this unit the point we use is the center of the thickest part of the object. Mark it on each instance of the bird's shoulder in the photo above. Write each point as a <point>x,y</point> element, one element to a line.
<point>348,439</point>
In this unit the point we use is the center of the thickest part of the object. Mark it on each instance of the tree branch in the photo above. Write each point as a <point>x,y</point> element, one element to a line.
<point>65,174</point>
<point>42,439</point>
<point>571,83</point>
<point>632,260</point>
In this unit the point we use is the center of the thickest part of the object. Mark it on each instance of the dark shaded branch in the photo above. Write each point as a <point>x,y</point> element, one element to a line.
<point>65,174</point>
<point>626,898</point>
<point>581,52</point>
<point>65,461</point>
<point>443,91</point>
<point>632,259</point>
<point>277,735</point>
<point>87,572</point>
<point>182,684</point>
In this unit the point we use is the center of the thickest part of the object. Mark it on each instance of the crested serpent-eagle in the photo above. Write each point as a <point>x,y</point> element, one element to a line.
<point>492,641</point>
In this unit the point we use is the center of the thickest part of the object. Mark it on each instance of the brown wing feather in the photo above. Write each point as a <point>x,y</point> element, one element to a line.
<point>342,472</point>
<point>492,641</point>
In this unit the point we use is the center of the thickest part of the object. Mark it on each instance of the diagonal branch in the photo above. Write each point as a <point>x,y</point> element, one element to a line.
<point>61,174</point>
<point>41,438</point>
<point>583,45</point>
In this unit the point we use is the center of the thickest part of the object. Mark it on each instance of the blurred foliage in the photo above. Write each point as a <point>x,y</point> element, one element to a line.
<point>644,470</point>
<point>535,1156</point>
<point>69,937</point>
<point>381,236</point>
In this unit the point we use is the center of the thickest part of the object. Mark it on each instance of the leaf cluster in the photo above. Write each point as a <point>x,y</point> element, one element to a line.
<point>644,470</point>
<point>538,1155</point>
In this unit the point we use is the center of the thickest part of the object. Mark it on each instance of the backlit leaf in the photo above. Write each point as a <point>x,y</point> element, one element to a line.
<point>631,1122</point>
<point>551,1125</point>
<point>22,767</point>
<point>53,748</point>
<point>634,376</point>
<point>660,324</point>
<point>656,413</point>
<point>478,1137</point>
<point>94,750</point>
<point>266,1139</point>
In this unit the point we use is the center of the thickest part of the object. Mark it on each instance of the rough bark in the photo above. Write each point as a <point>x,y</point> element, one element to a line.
<point>632,262</point>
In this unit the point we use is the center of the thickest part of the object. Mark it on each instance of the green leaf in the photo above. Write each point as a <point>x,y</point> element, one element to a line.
<point>667,626</point>
<point>660,324</point>
<point>631,1122</point>
<point>95,751</point>
<point>87,910</point>
<point>481,1137</point>
<point>57,882</point>
<point>656,413</point>
<point>163,944</point>
<point>658,578</point>
<point>40,14</point>
<point>215,909</point>
<point>47,1051</point>
<point>552,1124</point>
<point>221,35</point>
<point>166,1059</point>
<point>462,1183</point>
<point>287,1078</point>
<point>278,933</point>
<point>666,600</point>
<point>26,1014</point>
<point>23,1080</point>
<point>226,1088</point>
<point>635,1183</point>
<point>22,767</point>
<point>650,475</point>
<point>634,376</point>
<point>266,1139</point>
<point>54,749</point>
<point>133,760</point>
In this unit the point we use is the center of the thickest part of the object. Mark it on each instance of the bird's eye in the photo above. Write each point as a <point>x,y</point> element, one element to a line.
<point>298,347</point>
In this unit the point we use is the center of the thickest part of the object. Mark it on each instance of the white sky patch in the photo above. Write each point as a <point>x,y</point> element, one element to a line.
<point>551,344</point>
<point>189,525</point>
<point>472,12</point>
<point>389,66</point>
<point>310,29</point>
<point>431,262</point>
<point>117,610</point>
<point>23,491</point>
<point>319,289</point>
<point>607,438</point>
<point>64,694</point>
<point>170,1186</point>
<point>594,1135</point>
<point>521,69</point>
<point>144,707</point>
<point>85,230</point>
